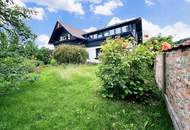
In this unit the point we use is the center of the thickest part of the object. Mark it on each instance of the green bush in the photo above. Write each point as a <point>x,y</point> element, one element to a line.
<point>154,44</point>
<point>53,62</point>
<point>44,54</point>
<point>70,54</point>
<point>31,51</point>
<point>13,71</point>
<point>125,73</point>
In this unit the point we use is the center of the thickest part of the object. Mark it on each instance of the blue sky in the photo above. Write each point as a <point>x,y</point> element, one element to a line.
<point>168,17</point>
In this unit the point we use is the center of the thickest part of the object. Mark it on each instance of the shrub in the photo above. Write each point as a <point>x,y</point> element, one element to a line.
<point>155,44</point>
<point>125,73</point>
<point>13,71</point>
<point>70,54</point>
<point>53,62</point>
<point>31,51</point>
<point>44,54</point>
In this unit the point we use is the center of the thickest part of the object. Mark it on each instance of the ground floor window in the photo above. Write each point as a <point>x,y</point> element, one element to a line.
<point>98,50</point>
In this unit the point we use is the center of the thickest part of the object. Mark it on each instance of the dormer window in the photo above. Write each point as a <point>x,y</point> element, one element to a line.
<point>130,27</point>
<point>106,33</point>
<point>124,29</point>
<point>118,30</point>
<point>95,36</point>
<point>112,32</point>
<point>100,35</point>
<point>91,36</point>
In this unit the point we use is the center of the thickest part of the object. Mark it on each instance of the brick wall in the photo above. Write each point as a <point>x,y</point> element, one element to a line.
<point>172,73</point>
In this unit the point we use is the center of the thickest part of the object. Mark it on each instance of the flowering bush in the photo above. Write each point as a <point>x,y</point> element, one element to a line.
<point>165,46</point>
<point>125,73</point>
<point>157,44</point>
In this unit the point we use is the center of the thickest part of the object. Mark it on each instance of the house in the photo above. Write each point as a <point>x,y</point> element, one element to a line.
<point>66,34</point>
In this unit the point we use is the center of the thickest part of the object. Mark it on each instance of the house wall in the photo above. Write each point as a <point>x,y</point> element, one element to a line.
<point>172,73</point>
<point>92,53</point>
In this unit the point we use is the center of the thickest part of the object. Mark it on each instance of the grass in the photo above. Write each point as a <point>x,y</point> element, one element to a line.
<point>66,98</point>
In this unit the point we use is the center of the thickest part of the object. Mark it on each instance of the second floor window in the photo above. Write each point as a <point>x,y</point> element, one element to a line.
<point>100,35</point>
<point>91,36</point>
<point>112,32</point>
<point>106,33</point>
<point>65,37</point>
<point>118,30</point>
<point>125,29</point>
<point>95,36</point>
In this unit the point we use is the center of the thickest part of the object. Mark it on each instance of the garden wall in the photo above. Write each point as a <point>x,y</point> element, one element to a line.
<point>172,74</point>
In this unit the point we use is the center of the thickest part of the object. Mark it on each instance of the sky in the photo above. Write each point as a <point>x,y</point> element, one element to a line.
<point>165,17</point>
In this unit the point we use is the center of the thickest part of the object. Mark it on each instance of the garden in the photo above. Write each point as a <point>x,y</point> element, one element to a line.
<point>45,89</point>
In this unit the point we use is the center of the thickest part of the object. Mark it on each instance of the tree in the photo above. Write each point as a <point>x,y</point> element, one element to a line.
<point>12,20</point>
<point>13,34</point>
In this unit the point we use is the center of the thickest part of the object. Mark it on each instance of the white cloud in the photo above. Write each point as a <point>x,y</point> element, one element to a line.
<point>150,29</point>
<point>95,1</point>
<point>149,2</point>
<point>42,41</point>
<point>91,29</point>
<point>72,6</point>
<point>178,30</point>
<point>19,3</point>
<point>107,8</point>
<point>91,1</point>
<point>40,13</point>
<point>188,0</point>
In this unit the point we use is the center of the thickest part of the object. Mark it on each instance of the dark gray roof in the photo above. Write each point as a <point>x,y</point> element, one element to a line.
<point>75,32</point>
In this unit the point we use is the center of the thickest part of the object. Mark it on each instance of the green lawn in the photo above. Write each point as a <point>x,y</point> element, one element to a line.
<point>66,98</point>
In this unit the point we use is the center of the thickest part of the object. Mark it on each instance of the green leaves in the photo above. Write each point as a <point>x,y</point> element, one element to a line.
<point>70,54</point>
<point>123,73</point>
<point>12,20</point>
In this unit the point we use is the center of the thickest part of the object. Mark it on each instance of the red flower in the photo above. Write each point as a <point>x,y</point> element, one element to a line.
<point>165,46</point>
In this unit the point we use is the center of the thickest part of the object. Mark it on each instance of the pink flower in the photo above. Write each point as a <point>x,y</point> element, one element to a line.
<point>125,45</point>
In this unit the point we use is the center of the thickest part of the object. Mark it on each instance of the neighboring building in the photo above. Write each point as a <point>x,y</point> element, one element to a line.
<point>66,34</point>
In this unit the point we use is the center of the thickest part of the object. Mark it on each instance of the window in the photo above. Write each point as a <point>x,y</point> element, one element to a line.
<point>100,35</point>
<point>64,36</point>
<point>112,32</point>
<point>98,50</point>
<point>106,33</point>
<point>127,28</point>
<point>69,36</point>
<point>134,30</point>
<point>91,36</point>
<point>118,30</point>
<point>130,28</point>
<point>95,36</point>
<point>134,26</point>
<point>124,29</point>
